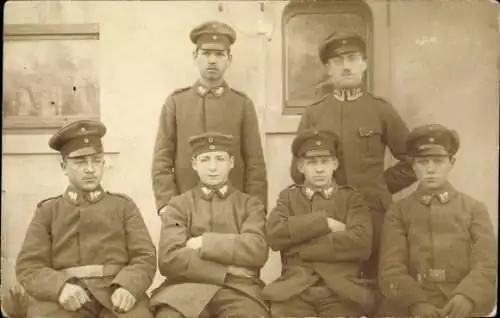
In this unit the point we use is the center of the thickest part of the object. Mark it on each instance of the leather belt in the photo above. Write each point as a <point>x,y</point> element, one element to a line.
<point>439,275</point>
<point>92,271</point>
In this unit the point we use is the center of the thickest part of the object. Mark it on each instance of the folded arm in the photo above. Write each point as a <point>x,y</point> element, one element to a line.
<point>285,230</point>
<point>247,248</point>
<point>175,260</point>
<point>352,244</point>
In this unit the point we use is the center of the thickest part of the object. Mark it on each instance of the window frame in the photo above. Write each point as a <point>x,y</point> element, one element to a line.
<point>35,32</point>
<point>298,7</point>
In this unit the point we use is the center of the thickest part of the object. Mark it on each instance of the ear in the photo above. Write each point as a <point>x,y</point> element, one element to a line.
<point>195,54</point>
<point>300,165</point>
<point>193,162</point>
<point>364,64</point>
<point>335,164</point>
<point>453,159</point>
<point>231,161</point>
<point>229,56</point>
<point>64,164</point>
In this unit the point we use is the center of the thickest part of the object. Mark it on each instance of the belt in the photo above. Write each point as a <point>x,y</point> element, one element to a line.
<point>439,275</point>
<point>92,271</point>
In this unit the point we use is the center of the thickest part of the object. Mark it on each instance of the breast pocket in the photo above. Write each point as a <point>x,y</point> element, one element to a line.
<point>370,141</point>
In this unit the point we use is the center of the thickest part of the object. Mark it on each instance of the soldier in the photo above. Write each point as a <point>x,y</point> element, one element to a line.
<point>323,232</point>
<point>208,105</point>
<point>87,253</point>
<point>366,125</point>
<point>212,244</point>
<point>438,250</point>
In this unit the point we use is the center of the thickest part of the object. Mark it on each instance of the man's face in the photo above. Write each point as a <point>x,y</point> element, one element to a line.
<point>347,70</point>
<point>432,171</point>
<point>212,62</point>
<point>318,171</point>
<point>84,173</point>
<point>213,167</point>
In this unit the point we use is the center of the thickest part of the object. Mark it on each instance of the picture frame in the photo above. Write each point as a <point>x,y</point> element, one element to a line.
<point>308,24</point>
<point>51,76</point>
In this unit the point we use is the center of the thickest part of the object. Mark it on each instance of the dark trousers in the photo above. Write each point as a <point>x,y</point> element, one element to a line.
<point>227,302</point>
<point>318,301</point>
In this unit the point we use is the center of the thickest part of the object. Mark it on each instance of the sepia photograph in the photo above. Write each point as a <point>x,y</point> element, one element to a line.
<point>250,158</point>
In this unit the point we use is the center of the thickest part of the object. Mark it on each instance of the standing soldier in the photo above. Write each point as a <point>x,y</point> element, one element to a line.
<point>438,253</point>
<point>208,105</point>
<point>366,125</point>
<point>87,253</point>
<point>212,243</point>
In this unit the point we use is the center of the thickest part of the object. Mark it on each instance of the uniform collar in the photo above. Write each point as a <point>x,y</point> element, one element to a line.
<point>77,197</point>
<point>208,192</point>
<point>326,192</point>
<point>443,194</point>
<point>203,91</point>
<point>347,94</point>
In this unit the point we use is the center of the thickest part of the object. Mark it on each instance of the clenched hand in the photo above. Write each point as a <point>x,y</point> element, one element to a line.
<point>122,300</point>
<point>195,242</point>
<point>335,225</point>
<point>72,297</point>
<point>459,306</point>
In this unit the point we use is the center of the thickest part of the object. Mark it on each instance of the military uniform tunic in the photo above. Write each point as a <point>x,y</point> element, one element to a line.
<point>366,125</point>
<point>195,110</point>
<point>298,228</point>
<point>76,229</point>
<point>232,226</point>
<point>435,245</point>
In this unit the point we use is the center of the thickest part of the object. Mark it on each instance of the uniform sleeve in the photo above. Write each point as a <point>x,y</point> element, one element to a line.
<point>480,284</point>
<point>284,230</point>
<point>306,122</point>
<point>164,185</point>
<point>175,260</point>
<point>138,275</point>
<point>249,248</point>
<point>395,132</point>
<point>33,266</point>
<point>352,244</point>
<point>395,281</point>
<point>255,168</point>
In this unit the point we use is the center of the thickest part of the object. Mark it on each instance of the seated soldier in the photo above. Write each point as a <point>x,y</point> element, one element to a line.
<point>87,253</point>
<point>212,244</point>
<point>438,253</point>
<point>323,232</point>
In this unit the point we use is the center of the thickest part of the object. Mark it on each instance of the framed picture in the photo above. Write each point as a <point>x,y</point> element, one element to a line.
<point>51,75</point>
<point>305,25</point>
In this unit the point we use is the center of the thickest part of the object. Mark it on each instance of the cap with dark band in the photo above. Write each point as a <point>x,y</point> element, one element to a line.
<point>79,138</point>
<point>211,141</point>
<point>213,32</point>
<point>314,143</point>
<point>432,140</point>
<point>341,43</point>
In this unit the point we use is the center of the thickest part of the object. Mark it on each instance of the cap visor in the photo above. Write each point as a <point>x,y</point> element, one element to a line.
<point>216,46</point>
<point>83,152</point>
<point>318,153</point>
<point>347,49</point>
<point>431,150</point>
